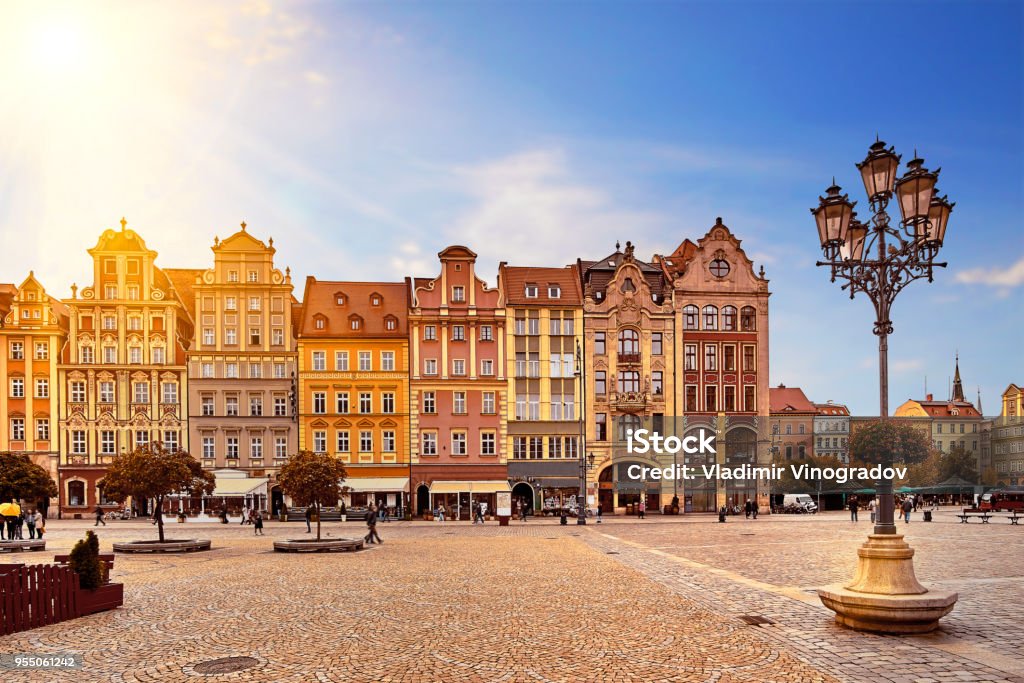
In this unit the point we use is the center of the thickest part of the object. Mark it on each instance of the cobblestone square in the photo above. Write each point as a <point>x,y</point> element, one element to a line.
<point>657,600</point>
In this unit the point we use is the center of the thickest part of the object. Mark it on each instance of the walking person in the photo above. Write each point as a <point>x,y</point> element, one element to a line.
<point>474,510</point>
<point>99,516</point>
<point>309,519</point>
<point>257,525</point>
<point>642,509</point>
<point>599,513</point>
<point>522,511</point>
<point>908,507</point>
<point>748,509</point>
<point>440,513</point>
<point>371,523</point>
<point>40,523</point>
<point>30,520</point>
<point>754,507</point>
<point>871,508</point>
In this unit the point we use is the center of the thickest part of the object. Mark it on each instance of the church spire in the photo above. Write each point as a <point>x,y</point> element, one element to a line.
<point>978,404</point>
<point>958,387</point>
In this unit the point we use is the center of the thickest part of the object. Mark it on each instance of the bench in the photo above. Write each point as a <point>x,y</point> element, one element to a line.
<point>966,517</point>
<point>106,558</point>
<point>1014,518</point>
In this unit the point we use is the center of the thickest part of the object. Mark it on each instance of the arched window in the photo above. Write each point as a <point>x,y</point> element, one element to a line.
<point>729,318</point>
<point>690,314</point>
<point>76,493</point>
<point>710,318</point>
<point>747,323</point>
<point>629,343</point>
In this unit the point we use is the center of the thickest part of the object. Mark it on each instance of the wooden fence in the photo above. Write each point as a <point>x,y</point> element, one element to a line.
<point>36,595</point>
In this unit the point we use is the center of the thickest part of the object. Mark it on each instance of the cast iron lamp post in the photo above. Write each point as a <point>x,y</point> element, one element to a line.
<point>586,462</point>
<point>879,260</point>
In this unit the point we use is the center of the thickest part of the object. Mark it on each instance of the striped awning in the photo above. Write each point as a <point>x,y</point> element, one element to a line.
<point>377,484</point>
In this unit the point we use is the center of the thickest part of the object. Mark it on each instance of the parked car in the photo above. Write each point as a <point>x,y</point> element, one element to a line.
<point>793,501</point>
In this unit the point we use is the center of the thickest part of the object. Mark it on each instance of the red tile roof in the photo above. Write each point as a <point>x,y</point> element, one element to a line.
<point>515,278</point>
<point>945,408</point>
<point>783,399</point>
<point>832,409</point>
<point>321,301</point>
<point>183,281</point>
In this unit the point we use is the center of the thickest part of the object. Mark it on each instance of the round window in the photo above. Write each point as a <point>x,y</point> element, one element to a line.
<point>719,267</point>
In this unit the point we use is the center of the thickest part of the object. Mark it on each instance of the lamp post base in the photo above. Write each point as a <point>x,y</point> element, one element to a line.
<point>885,596</point>
<point>581,520</point>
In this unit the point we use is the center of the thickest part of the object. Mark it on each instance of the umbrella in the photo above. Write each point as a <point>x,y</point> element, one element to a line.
<point>10,510</point>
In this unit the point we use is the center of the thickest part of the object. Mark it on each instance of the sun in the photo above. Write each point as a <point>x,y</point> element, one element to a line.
<point>58,44</point>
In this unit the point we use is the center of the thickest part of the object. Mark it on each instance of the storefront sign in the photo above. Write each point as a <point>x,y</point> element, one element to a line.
<point>504,503</point>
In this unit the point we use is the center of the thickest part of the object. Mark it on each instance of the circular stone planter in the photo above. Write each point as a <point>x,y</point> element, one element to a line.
<point>187,545</point>
<point>303,545</point>
<point>19,546</point>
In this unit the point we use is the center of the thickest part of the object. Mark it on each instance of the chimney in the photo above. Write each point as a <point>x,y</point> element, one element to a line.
<point>928,397</point>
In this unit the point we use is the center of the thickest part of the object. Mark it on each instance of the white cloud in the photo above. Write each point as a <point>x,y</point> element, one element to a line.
<point>531,208</point>
<point>905,366</point>
<point>994,276</point>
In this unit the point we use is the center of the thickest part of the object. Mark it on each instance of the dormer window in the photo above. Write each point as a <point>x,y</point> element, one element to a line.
<point>339,299</point>
<point>375,300</point>
<point>355,323</point>
<point>531,291</point>
<point>390,323</point>
<point>320,322</point>
<point>554,292</point>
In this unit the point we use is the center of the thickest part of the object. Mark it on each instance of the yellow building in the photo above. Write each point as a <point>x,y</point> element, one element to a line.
<point>353,350</point>
<point>122,374</point>
<point>33,327</point>
<point>544,313</point>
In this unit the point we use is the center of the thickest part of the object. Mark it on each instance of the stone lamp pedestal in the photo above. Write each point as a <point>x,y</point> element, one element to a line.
<point>885,596</point>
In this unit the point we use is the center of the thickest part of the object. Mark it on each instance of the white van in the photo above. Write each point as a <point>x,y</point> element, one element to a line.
<point>801,499</point>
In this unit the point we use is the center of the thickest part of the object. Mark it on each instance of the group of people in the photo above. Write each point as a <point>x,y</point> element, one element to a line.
<point>254,517</point>
<point>751,508</point>
<point>13,528</point>
<point>905,504</point>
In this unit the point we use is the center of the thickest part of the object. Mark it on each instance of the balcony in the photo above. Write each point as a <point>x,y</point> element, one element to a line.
<point>629,359</point>
<point>629,400</point>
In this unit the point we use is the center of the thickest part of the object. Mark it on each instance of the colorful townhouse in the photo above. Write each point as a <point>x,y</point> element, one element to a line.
<point>353,351</point>
<point>122,374</point>
<point>33,329</point>
<point>459,388</point>
<point>242,368</point>
<point>543,334</point>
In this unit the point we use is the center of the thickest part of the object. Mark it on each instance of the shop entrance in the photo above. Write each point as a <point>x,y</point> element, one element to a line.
<point>522,493</point>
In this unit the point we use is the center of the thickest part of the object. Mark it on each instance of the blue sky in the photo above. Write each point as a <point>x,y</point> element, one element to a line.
<point>365,137</point>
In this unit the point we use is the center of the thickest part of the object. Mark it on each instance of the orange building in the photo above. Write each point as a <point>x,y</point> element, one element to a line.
<point>33,328</point>
<point>353,350</point>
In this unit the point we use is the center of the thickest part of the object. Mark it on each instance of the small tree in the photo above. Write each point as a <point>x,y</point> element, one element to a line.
<point>313,479</point>
<point>85,561</point>
<point>152,472</point>
<point>21,478</point>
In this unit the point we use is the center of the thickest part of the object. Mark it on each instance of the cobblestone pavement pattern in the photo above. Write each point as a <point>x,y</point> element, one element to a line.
<point>624,601</point>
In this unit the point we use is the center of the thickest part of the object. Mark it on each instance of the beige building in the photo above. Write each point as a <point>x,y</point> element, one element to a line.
<point>1008,439</point>
<point>122,374</point>
<point>955,422</point>
<point>242,362</point>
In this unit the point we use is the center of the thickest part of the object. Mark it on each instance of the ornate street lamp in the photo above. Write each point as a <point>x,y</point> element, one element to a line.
<point>879,260</point>
<point>581,447</point>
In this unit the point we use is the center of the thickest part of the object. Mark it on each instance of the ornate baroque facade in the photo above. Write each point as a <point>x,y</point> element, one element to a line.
<point>242,361</point>
<point>122,373</point>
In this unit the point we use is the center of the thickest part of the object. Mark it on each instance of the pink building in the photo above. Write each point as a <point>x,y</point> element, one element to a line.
<point>458,388</point>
